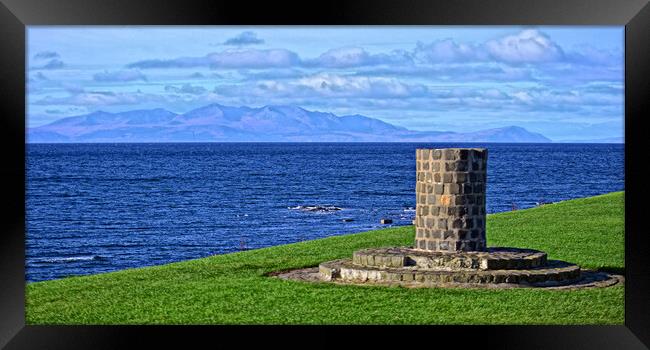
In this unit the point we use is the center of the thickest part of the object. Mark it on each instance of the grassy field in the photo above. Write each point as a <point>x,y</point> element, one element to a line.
<point>232,288</point>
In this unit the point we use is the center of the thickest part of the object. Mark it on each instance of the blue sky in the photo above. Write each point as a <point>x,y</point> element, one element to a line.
<point>564,82</point>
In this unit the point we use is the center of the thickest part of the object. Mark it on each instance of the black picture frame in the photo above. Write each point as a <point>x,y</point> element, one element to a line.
<point>15,15</point>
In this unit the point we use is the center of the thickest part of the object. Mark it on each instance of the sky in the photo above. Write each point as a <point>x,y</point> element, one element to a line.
<point>565,82</point>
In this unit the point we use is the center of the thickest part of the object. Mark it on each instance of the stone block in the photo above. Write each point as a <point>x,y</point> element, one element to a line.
<point>450,154</point>
<point>450,167</point>
<point>370,260</point>
<point>452,188</point>
<point>460,177</point>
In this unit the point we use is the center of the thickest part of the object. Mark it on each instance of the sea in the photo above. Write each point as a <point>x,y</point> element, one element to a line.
<point>93,208</point>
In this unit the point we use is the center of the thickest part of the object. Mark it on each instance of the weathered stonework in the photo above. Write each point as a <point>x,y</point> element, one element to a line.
<point>490,259</point>
<point>555,271</point>
<point>450,199</point>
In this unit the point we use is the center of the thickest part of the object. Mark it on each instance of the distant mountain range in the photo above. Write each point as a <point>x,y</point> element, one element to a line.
<point>218,123</point>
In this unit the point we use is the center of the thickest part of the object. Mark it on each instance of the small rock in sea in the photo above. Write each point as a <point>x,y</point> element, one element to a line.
<point>348,220</point>
<point>386,221</point>
<point>317,208</point>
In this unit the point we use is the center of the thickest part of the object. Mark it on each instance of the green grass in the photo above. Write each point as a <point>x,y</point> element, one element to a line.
<point>232,288</point>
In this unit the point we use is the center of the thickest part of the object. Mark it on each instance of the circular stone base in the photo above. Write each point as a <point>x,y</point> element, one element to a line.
<point>491,259</point>
<point>492,268</point>
<point>553,271</point>
<point>587,279</point>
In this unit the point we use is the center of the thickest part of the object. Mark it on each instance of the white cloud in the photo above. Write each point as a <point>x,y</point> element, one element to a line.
<point>448,51</point>
<point>231,58</point>
<point>329,85</point>
<point>346,57</point>
<point>343,57</point>
<point>528,46</point>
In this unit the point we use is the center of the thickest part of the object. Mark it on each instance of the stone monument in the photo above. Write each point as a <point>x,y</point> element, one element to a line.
<point>450,239</point>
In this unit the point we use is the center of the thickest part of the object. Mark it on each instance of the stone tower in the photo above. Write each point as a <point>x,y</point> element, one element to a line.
<point>450,199</point>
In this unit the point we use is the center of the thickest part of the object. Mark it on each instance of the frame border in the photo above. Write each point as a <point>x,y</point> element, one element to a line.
<point>15,15</point>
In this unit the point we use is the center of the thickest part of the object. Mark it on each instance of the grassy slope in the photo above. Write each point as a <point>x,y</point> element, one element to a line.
<point>231,288</point>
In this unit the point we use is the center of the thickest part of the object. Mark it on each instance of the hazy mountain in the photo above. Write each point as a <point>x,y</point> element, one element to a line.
<point>269,123</point>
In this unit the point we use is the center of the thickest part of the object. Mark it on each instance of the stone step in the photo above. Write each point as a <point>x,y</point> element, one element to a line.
<point>491,259</point>
<point>554,271</point>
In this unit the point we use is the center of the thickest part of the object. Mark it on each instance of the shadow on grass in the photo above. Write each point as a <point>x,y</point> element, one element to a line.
<point>612,269</point>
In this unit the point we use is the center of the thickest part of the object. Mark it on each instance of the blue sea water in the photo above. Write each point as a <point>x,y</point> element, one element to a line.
<point>95,208</point>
